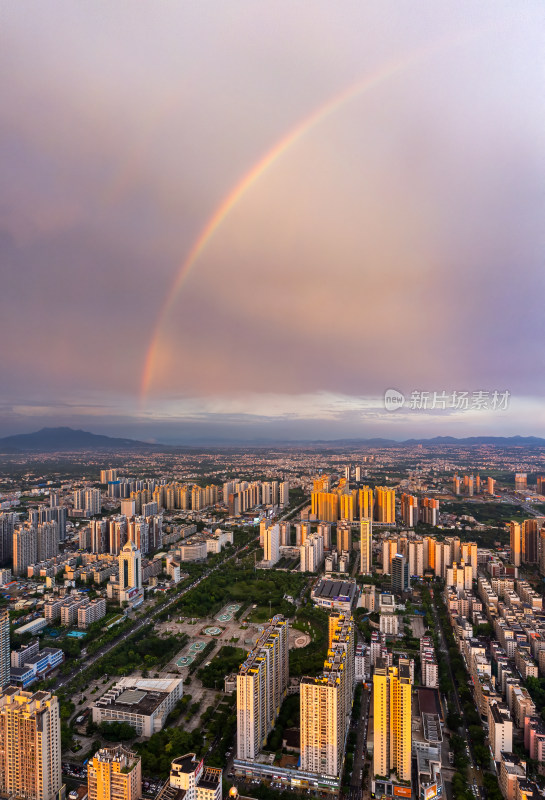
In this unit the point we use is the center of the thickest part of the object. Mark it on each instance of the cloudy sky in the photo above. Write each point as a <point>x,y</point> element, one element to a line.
<point>240,220</point>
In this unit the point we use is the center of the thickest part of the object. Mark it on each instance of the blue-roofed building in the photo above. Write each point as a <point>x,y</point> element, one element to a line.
<point>29,663</point>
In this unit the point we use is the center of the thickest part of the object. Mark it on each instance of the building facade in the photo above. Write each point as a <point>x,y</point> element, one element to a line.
<point>114,773</point>
<point>30,745</point>
<point>262,682</point>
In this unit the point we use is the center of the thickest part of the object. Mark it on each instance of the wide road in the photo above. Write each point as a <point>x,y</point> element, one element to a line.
<point>475,774</point>
<point>355,791</point>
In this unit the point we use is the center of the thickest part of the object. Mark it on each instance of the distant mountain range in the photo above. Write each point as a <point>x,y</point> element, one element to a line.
<point>51,440</point>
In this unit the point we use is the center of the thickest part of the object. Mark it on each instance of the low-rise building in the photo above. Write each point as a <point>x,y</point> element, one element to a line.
<point>29,663</point>
<point>143,703</point>
<point>335,595</point>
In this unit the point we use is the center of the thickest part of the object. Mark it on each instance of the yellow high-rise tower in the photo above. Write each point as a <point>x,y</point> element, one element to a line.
<point>530,541</point>
<point>30,745</point>
<point>326,702</point>
<point>385,504</point>
<point>261,687</point>
<point>348,503</point>
<point>392,721</point>
<point>114,773</point>
<point>325,506</point>
<point>365,502</point>
<point>515,543</point>
<point>366,546</point>
<point>321,484</point>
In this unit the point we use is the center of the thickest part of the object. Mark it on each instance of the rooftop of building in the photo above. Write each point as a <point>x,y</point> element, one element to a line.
<point>135,701</point>
<point>186,764</point>
<point>335,589</point>
<point>497,715</point>
<point>139,696</point>
<point>432,728</point>
<point>210,778</point>
<point>169,792</point>
<point>428,701</point>
<point>119,753</point>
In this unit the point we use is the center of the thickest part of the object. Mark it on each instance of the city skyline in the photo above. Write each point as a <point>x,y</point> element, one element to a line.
<point>253,224</point>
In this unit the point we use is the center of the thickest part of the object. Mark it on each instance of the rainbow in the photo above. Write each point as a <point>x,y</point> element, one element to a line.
<point>261,167</point>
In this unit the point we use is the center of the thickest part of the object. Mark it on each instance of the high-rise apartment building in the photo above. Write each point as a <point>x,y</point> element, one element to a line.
<point>385,504</point>
<point>79,500</point>
<point>530,541</point>
<point>5,655</point>
<point>366,546</point>
<point>263,525</point>
<point>56,514</point>
<point>271,544</point>
<point>25,547</point>
<point>392,721</point>
<point>312,553</point>
<point>285,534</point>
<point>326,701</point>
<point>114,773</point>
<point>389,550</point>
<point>302,532</point>
<point>365,502</point>
<point>500,729</point>
<point>490,485</point>
<point>344,539</point>
<point>30,745</point>
<point>460,576</point>
<point>321,484</point>
<point>99,535</point>
<point>8,520</point>
<point>47,540</point>
<point>324,530</point>
<point>262,682</point>
<point>284,494</point>
<point>325,506</point>
<point>416,557</point>
<point>348,504</point>
<point>521,481</point>
<point>429,509</point>
<point>409,510</point>
<point>542,551</point>
<point>138,531</point>
<point>108,475</point>
<point>93,503</point>
<point>515,543</point>
<point>130,575</point>
<point>469,554</point>
<point>400,573</point>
